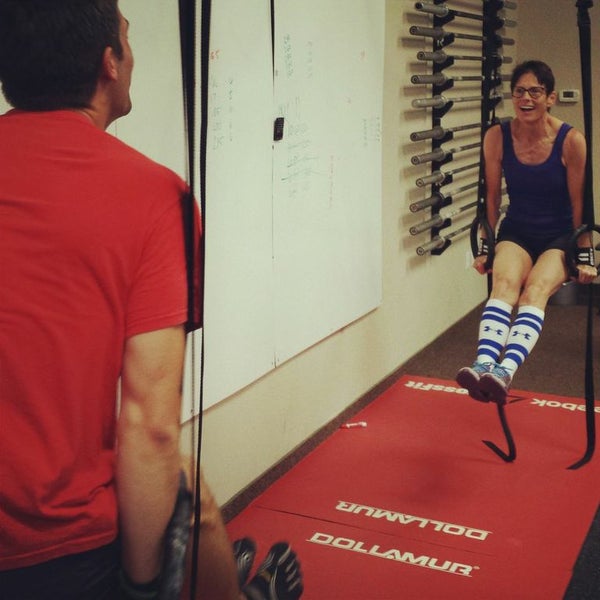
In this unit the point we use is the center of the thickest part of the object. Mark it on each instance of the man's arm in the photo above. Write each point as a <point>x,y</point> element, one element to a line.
<point>148,459</point>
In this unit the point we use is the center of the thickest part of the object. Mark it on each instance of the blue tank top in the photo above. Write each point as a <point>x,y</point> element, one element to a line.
<point>540,204</point>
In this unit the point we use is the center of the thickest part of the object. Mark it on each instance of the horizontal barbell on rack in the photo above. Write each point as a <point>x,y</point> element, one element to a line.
<point>441,10</point>
<point>439,101</point>
<point>441,79</point>
<point>439,219</point>
<point>439,33</point>
<point>438,132</point>
<point>439,241</point>
<point>439,57</point>
<point>440,154</point>
<point>441,176</point>
<point>438,198</point>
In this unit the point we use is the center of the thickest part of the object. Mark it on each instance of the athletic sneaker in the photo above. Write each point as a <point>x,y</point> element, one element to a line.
<point>244,551</point>
<point>496,383</point>
<point>278,577</point>
<point>469,377</point>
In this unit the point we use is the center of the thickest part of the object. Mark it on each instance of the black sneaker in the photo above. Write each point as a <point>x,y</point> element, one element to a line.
<point>244,551</point>
<point>278,577</point>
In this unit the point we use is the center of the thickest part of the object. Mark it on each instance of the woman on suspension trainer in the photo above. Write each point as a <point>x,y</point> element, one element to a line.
<point>543,160</point>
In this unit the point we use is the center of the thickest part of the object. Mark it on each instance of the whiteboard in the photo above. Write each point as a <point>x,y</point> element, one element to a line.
<point>238,326</point>
<point>327,169</point>
<point>293,228</point>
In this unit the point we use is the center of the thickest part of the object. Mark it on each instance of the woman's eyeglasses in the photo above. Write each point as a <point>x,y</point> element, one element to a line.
<point>534,92</point>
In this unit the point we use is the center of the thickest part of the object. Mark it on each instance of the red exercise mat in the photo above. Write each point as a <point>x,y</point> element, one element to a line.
<point>418,484</point>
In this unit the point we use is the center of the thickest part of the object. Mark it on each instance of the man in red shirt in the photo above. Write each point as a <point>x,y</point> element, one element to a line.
<point>92,299</point>
<point>93,303</point>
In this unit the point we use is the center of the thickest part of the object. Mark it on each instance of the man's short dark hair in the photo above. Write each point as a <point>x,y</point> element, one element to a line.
<point>51,50</point>
<point>541,70</point>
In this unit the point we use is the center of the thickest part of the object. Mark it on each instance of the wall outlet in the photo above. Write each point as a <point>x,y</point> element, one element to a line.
<point>569,96</point>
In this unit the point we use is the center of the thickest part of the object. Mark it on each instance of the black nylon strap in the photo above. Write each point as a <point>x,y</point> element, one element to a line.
<point>511,455</point>
<point>204,65</point>
<point>585,51</point>
<point>490,77</point>
<point>195,249</point>
<point>193,246</point>
<point>273,35</point>
<point>585,256</point>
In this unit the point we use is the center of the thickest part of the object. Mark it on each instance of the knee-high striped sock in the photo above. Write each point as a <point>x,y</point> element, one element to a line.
<point>493,330</point>
<point>523,336</point>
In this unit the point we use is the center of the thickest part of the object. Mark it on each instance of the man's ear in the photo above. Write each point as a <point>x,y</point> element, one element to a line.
<point>110,64</point>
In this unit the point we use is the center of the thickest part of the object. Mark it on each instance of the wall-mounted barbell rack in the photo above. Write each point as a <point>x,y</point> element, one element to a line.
<point>491,20</point>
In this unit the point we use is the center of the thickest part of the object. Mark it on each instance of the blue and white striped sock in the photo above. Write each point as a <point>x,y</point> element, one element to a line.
<point>493,330</point>
<point>523,336</point>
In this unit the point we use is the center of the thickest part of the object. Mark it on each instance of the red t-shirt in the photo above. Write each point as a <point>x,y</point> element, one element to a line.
<point>91,252</point>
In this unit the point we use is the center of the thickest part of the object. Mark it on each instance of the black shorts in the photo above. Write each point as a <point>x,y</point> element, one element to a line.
<point>92,575</point>
<point>534,245</point>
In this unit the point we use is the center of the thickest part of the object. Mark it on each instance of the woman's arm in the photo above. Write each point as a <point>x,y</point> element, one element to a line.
<point>492,155</point>
<point>574,158</point>
<point>492,152</point>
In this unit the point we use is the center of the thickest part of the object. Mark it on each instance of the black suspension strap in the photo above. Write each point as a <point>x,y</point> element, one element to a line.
<point>490,78</point>
<point>195,248</point>
<point>585,50</point>
<point>273,35</point>
<point>512,448</point>
<point>187,503</point>
<point>187,33</point>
